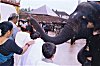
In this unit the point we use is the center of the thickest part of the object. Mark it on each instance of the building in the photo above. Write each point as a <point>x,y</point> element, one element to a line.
<point>7,7</point>
<point>11,2</point>
<point>45,15</point>
<point>62,14</point>
<point>15,3</point>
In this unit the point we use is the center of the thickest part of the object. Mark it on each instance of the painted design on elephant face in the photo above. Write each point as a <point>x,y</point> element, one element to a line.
<point>74,14</point>
<point>90,25</point>
<point>96,31</point>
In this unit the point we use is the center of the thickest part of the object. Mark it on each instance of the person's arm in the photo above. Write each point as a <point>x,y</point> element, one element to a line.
<point>16,49</point>
<point>26,46</point>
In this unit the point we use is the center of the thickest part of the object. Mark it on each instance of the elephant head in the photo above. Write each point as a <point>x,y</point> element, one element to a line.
<point>76,25</point>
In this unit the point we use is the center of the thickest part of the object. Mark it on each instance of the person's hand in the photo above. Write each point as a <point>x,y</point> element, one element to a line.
<point>30,43</point>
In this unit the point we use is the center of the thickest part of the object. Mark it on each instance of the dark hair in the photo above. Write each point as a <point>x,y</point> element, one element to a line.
<point>29,28</point>
<point>23,29</point>
<point>48,49</point>
<point>12,16</point>
<point>35,35</point>
<point>9,18</point>
<point>5,26</point>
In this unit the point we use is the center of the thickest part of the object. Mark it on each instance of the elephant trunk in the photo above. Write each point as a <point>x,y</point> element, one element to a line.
<point>66,34</point>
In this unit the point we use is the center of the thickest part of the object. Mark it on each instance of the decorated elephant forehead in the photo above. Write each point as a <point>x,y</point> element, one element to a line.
<point>90,25</point>
<point>96,32</point>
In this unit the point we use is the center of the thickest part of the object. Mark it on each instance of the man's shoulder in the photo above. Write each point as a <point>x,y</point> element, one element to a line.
<point>10,41</point>
<point>14,25</point>
<point>39,40</point>
<point>53,64</point>
<point>42,63</point>
<point>24,33</point>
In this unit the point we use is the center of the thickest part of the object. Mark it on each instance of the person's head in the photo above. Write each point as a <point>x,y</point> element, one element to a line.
<point>29,28</point>
<point>13,17</point>
<point>6,29</point>
<point>48,50</point>
<point>35,35</point>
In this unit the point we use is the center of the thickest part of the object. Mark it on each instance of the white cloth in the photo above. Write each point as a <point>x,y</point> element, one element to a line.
<point>15,30</point>
<point>14,25</point>
<point>33,54</point>
<point>21,39</point>
<point>43,63</point>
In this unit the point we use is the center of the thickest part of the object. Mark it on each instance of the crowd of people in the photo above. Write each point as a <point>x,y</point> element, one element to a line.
<point>21,45</point>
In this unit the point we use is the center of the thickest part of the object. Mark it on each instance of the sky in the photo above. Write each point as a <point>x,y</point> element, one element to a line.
<point>61,5</point>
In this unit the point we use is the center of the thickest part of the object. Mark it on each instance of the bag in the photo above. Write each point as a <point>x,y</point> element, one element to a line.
<point>5,58</point>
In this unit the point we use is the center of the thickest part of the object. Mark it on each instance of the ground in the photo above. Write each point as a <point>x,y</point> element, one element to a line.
<point>66,54</point>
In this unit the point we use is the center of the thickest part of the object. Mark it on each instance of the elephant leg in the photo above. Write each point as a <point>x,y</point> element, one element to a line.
<point>82,57</point>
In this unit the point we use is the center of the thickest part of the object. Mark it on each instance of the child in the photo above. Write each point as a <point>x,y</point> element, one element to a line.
<point>48,51</point>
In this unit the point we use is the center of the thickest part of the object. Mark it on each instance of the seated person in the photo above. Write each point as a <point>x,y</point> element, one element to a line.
<point>48,50</point>
<point>7,46</point>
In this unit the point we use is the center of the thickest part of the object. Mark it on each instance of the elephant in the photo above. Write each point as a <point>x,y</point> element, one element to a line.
<point>77,25</point>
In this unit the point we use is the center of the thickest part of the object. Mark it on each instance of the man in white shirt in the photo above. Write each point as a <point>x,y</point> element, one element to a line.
<point>14,19</point>
<point>34,52</point>
<point>48,50</point>
<point>22,37</point>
